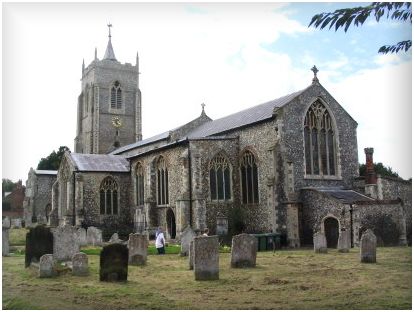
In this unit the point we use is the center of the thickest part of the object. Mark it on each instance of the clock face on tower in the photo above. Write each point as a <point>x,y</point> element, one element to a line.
<point>117,122</point>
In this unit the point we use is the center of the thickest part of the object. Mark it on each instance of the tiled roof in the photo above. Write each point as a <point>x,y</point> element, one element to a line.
<point>99,162</point>
<point>345,196</point>
<point>155,138</point>
<point>243,118</point>
<point>49,172</point>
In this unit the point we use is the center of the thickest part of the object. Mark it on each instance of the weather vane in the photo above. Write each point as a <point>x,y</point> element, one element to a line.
<point>109,27</point>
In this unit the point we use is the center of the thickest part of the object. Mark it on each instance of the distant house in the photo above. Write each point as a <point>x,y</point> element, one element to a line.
<point>13,202</point>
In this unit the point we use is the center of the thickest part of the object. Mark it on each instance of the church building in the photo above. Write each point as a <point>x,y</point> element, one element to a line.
<point>287,166</point>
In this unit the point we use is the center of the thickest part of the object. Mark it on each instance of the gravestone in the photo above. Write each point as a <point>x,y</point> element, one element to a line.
<point>319,243</point>
<point>80,264</point>
<point>39,241</point>
<point>137,249</point>
<point>206,258</point>
<point>81,234</point>
<point>115,239</point>
<point>344,241</point>
<point>6,223</point>
<point>186,237</point>
<point>368,247</point>
<point>65,242</point>
<point>5,240</point>
<point>94,236</point>
<point>222,227</point>
<point>191,255</point>
<point>47,266</point>
<point>17,223</point>
<point>114,263</point>
<point>243,251</point>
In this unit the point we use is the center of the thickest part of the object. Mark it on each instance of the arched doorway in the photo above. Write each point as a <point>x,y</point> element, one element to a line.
<point>171,223</point>
<point>331,232</point>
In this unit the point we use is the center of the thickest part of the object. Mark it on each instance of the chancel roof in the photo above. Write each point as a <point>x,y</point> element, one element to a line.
<point>100,162</point>
<point>345,196</point>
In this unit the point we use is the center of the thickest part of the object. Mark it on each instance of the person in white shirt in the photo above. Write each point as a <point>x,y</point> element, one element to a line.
<point>160,242</point>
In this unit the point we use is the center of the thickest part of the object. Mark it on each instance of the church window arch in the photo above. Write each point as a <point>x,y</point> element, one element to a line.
<point>116,95</point>
<point>249,178</point>
<point>139,184</point>
<point>220,178</point>
<point>109,196</point>
<point>162,182</point>
<point>319,138</point>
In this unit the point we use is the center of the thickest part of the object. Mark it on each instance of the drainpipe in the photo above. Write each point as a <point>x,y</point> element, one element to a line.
<point>74,199</point>
<point>190,184</point>
<point>352,225</point>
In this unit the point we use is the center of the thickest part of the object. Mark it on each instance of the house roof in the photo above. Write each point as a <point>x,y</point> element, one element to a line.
<point>100,162</point>
<point>243,118</point>
<point>48,172</point>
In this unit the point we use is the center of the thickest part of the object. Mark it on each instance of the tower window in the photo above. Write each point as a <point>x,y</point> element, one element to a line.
<point>319,138</point>
<point>249,178</point>
<point>220,178</point>
<point>116,96</point>
<point>109,196</point>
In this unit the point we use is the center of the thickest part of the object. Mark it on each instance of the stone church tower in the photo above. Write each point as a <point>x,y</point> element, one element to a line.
<point>109,106</point>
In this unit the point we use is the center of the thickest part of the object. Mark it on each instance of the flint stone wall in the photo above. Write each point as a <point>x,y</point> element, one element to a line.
<point>243,251</point>
<point>368,249</point>
<point>137,249</point>
<point>186,237</point>
<point>65,242</point>
<point>319,243</point>
<point>80,264</point>
<point>206,258</point>
<point>114,263</point>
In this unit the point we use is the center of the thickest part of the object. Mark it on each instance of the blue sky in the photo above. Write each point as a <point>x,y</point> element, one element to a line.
<point>230,56</point>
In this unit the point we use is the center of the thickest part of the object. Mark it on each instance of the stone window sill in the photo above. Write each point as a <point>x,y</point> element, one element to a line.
<point>321,177</point>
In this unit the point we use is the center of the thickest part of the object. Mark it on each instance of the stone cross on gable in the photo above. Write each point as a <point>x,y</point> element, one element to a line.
<point>202,107</point>
<point>315,71</point>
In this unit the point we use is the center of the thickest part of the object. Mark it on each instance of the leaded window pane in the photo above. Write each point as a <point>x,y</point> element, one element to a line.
<point>119,99</point>
<point>107,203</point>
<point>324,158</point>
<point>249,175</point>
<point>213,184</point>
<point>244,184</point>
<point>331,152</point>
<point>166,187</point>
<point>115,202</point>
<point>227,191</point>
<point>102,201</point>
<point>315,151</point>
<point>255,197</point>
<point>220,189</point>
<point>113,97</point>
<point>308,158</point>
<point>162,182</point>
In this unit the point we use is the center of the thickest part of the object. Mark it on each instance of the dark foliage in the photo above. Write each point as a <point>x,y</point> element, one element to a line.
<point>237,218</point>
<point>8,186</point>
<point>121,224</point>
<point>52,161</point>
<point>384,228</point>
<point>344,18</point>
<point>6,206</point>
<point>39,241</point>
<point>380,169</point>
<point>114,263</point>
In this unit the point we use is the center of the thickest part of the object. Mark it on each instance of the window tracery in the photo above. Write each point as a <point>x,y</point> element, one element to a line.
<point>249,178</point>
<point>109,196</point>
<point>220,181</point>
<point>116,96</point>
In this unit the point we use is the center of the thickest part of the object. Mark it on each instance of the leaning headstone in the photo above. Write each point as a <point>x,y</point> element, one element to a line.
<point>5,240</point>
<point>206,258</point>
<point>114,263</point>
<point>319,243</point>
<point>368,247</point>
<point>6,223</point>
<point>65,242</point>
<point>191,255</point>
<point>80,264</point>
<point>81,234</point>
<point>39,241</point>
<point>47,266</point>
<point>186,237</point>
<point>94,236</point>
<point>115,239</point>
<point>344,241</point>
<point>243,251</point>
<point>137,249</point>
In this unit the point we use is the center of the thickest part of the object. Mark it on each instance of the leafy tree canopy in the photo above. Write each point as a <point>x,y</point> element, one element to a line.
<point>52,161</point>
<point>379,169</point>
<point>343,18</point>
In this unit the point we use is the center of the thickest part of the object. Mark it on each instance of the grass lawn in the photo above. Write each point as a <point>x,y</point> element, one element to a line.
<point>288,279</point>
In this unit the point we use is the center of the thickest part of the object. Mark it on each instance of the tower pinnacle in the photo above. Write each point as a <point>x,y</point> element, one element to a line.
<point>109,53</point>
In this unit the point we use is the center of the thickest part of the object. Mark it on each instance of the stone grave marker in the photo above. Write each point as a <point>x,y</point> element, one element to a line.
<point>65,242</point>
<point>5,240</point>
<point>17,223</point>
<point>222,227</point>
<point>368,247</point>
<point>137,249</point>
<point>344,241</point>
<point>115,239</point>
<point>319,243</point>
<point>81,234</point>
<point>94,236</point>
<point>114,263</point>
<point>191,255</point>
<point>39,241</point>
<point>206,258</point>
<point>47,266</point>
<point>186,237</point>
<point>6,223</point>
<point>243,251</point>
<point>80,264</point>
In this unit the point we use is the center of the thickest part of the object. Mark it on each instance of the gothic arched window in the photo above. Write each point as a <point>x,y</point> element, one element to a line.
<point>249,178</point>
<point>139,184</point>
<point>162,182</point>
<point>220,188</point>
<point>109,196</point>
<point>319,137</point>
<point>116,95</point>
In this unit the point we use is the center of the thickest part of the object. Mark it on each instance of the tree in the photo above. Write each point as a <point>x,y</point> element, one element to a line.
<point>7,186</point>
<point>379,169</point>
<point>343,18</point>
<point>52,161</point>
